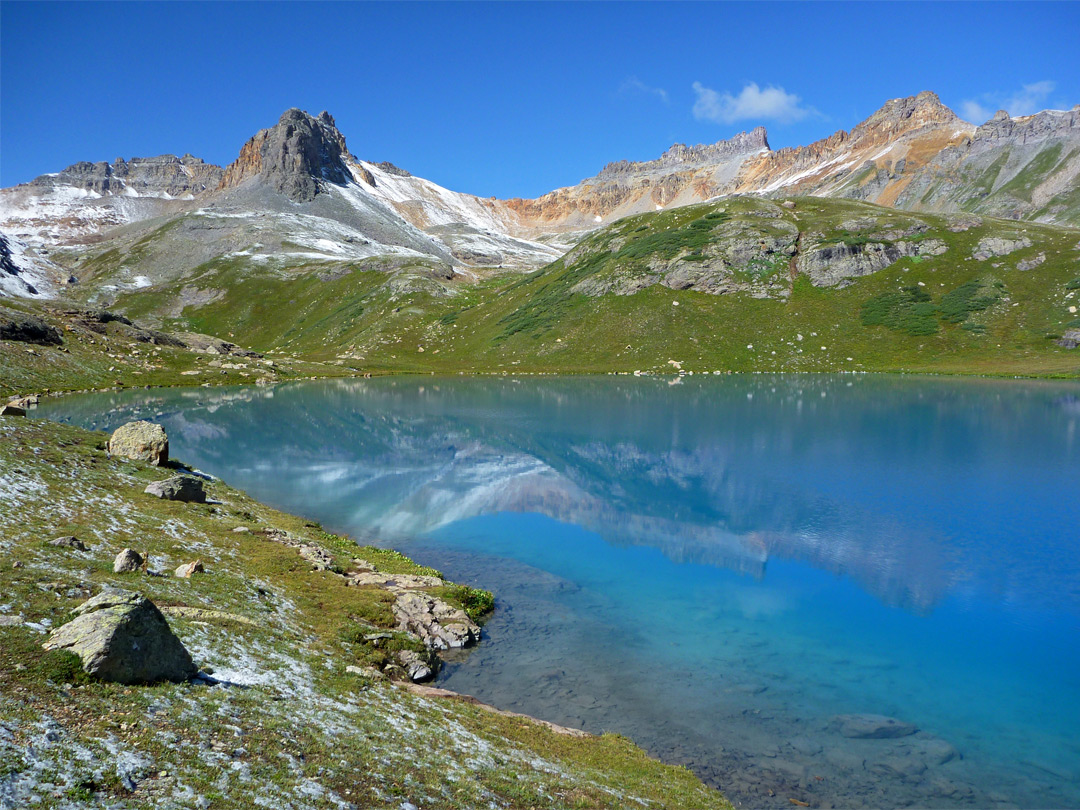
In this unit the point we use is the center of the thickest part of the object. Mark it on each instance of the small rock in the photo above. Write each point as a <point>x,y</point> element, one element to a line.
<point>127,561</point>
<point>178,488</point>
<point>185,571</point>
<point>366,672</point>
<point>143,441</point>
<point>241,529</point>
<point>69,541</point>
<point>1032,263</point>
<point>872,726</point>
<point>10,621</point>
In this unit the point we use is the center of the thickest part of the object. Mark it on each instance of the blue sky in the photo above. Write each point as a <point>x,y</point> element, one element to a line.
<point>504,99</point>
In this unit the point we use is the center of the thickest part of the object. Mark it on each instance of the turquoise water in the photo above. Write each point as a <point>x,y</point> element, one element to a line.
<point>719,567</point>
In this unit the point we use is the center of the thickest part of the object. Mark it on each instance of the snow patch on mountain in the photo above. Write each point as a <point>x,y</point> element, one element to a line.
<point>23,274</point>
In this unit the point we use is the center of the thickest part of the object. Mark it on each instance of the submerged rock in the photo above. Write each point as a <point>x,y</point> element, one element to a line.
<point>121,636</point>
<point>142,441</point>
<point>178,488</point>
<point>872,726</point>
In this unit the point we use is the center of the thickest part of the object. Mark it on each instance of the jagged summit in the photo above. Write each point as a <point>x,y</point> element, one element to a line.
<point>292,156</point>
<point>681,156</point>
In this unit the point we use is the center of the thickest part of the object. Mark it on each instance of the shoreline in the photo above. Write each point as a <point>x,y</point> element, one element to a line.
<point>282,653</point>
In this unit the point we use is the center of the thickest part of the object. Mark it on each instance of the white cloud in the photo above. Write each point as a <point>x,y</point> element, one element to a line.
<point>751,103</point>
<point>1027,100</point>
<point>636,85</point>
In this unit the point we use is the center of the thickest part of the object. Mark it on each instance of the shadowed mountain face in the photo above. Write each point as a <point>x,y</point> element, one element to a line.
<point>293,156</point>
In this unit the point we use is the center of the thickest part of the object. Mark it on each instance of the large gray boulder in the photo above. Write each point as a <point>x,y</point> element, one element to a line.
<point>178,488</point>
<point>143,441</point>
<point>121,636</point>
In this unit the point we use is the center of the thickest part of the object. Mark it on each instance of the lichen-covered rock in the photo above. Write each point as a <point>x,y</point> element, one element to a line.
<point>827,265</point>
<point>143,441</point>
<point>872,727</point>
<point>127,561</point>
<point>990,246</point>
<point>121,636</point>
<point>1032,263</point>
<point>178,488</point>
<point>439,625</point>
<point>1069,340</point>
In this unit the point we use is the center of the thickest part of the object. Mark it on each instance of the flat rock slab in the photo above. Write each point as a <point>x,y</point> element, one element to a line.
<point>142,441</point>
<point>872,727</point>
<point>121,636</point>
<point>178,488</point>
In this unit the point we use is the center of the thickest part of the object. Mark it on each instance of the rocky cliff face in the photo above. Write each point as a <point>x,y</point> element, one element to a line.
<point>293,156</point>
<point>165,177</point>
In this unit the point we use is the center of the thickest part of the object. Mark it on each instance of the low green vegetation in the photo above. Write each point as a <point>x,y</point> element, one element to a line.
<point>334,318</point>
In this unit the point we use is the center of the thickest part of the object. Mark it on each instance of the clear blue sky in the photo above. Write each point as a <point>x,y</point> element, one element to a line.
<point>505,99</point>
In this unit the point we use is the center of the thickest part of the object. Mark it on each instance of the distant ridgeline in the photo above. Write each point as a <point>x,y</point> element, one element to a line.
<point>914,241</point>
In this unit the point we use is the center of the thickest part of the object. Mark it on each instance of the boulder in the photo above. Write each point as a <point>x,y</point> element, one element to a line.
<point>143,441</point>
<point>70,541</point>
<point>872,727</point>
<point>1069,340</point>
<point>992,246</point>
<point>126,561</point>
<point>187,569</point>
<point>121,636</point>
<point>178,488</point>
<point>12,410</point>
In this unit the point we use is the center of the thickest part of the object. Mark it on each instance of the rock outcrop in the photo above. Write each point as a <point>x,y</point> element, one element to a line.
<point>438,625</point>
<point>142,441</point>
<point>27,329</point>
<point>164,176</point>
<point>121,636</point>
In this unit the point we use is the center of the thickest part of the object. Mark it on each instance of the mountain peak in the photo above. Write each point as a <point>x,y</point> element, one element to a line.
<point>680,156</point>
<point>293,156</point>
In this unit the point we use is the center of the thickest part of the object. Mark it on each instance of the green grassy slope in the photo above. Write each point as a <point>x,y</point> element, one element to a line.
<point>932,313</point>
<point>296,729</point>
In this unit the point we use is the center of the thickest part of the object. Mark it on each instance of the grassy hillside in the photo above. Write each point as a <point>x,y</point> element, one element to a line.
<point>605,306</point>
<point>97,353</point>
<point>286,725</point>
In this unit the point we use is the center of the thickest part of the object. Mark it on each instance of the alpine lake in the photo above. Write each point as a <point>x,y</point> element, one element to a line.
<point>852,590</point>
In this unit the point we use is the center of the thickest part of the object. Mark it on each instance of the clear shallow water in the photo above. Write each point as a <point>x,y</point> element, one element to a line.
<point>717,568</point>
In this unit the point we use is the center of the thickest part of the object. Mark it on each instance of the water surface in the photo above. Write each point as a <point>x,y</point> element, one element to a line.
<point>719,567</point>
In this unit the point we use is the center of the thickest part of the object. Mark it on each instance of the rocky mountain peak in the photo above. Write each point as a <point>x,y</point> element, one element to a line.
<point>293,156</point>
<point>681,156</point>
<point>900,116</point>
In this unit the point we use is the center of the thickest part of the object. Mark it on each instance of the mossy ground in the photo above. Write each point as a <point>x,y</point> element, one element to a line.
<point>286,725</point>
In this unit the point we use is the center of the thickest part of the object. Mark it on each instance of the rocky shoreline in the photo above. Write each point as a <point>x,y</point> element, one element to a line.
<point>289,656</point>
